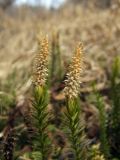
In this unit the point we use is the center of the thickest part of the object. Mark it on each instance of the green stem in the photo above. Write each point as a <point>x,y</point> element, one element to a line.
<point>73,113</point>
<point>41,120</point>
<point>103,133</point>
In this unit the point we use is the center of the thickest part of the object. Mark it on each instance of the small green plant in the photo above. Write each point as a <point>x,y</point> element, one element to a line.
<point>75,131</point>
<point>115,92</point>
<point>41,98</point>
<point>56,61</point>
<point>103,126</point>
<point>73,110</point>
<point>114,118</point>
<point>40,103</point>
<point>110,123</point>
<point>95,153</point>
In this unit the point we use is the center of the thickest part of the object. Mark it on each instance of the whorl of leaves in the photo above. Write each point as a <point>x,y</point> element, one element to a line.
<point>41,122</point>
<point>75,128</point>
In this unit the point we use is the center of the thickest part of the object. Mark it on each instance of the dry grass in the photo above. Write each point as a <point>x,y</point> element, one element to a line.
<point>99,31</point>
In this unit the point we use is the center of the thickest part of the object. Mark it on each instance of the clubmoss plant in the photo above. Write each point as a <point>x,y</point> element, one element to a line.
<point>72,83</point>
<point>115,92</point>
<point>103,125</point>
<point>95,153</point>
<point>41,97</point>
<point>40,64</point>
<point>56,62</point>
<point>73,111</point>
<point>114,118</point>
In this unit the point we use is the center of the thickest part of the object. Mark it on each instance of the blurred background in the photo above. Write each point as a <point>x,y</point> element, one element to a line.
<point>94,22</point>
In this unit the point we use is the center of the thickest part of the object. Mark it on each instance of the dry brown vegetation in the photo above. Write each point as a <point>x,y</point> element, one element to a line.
<point>98,30</point>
